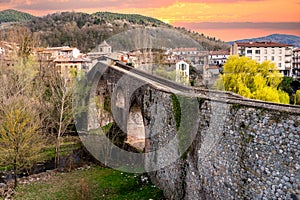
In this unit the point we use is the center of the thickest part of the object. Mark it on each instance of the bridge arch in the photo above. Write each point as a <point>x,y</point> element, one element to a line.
<point>136,133</point>
<point>120,98</point>
<point>103,103</point>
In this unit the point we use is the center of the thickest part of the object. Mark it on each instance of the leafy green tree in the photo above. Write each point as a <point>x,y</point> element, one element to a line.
<point>20,134</point>
<point>285,85</point>
<point>251,79</point>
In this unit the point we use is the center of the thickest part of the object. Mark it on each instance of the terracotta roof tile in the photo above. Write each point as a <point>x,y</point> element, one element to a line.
<point>262,44</point>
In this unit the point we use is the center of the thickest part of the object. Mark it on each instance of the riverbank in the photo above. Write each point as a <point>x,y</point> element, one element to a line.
<point>89,182</point>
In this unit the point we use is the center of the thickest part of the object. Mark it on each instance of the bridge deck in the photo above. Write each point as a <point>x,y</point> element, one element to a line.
<point>213,95</point>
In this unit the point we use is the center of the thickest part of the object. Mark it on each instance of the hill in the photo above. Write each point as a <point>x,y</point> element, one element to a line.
<point>131,18</point>
<point>85,31</point>
<point>280,38</point>
<point>14,16</point>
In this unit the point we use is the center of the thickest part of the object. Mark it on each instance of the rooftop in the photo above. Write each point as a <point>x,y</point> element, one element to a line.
<point>262,44</point>
<point>185,49</point>
<point>219,52</point>
<point>104,44</point>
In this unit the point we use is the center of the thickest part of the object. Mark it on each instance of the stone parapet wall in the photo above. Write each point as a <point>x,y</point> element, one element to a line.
<point>242,149</point>
<point>252,154</point>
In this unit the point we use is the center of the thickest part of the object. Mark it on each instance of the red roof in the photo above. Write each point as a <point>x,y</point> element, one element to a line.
<point>213,67</point>
<point>261,44</point>
<point>219,52</point>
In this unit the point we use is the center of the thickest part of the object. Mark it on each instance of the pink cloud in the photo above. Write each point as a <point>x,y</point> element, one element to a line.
<point>119,4</point>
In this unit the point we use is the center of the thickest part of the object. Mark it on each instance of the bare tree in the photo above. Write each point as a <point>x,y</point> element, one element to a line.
<point>60,100</point>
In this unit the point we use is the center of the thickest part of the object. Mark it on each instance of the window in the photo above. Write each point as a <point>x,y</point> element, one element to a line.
<point>280,51</point>
<point>266,51</point>
<point>279,65</point>
<point>272,58</point>
<point>249,51</point>
<point>257,58</point>
<point>183,67</point>
<point>257,51</point>
<point>265,58</point>
<point>280,58</point>
<point>273,51</point>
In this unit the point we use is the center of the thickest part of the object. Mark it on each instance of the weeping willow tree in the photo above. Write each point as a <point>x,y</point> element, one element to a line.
<point>297,98</point>
<point>251,79</point>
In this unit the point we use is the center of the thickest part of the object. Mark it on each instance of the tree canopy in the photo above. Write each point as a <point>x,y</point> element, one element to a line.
<point>251,79</point>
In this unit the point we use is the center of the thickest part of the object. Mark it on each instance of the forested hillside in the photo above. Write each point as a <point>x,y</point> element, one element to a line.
<point>85,31</point>
<point>14,16</point>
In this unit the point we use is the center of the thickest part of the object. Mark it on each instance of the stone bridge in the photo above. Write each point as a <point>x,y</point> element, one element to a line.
<point>204,144</point>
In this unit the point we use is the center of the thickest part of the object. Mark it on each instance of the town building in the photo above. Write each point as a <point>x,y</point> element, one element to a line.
<point>182,72</point>
<point>194,56</point>
<point>218,57</point>
<point>6,53</point>
<point>68,67</point>
<point>103,49</point>
<point>67,61</point>
<point>296,62</point>
<point>280,54</point>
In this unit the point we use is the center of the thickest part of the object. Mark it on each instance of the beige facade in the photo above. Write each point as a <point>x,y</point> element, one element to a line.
<point>280,54</point>
<point>67,61</point>
<point>69,67</point>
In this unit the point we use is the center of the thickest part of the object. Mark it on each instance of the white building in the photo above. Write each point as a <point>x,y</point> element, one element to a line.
<point>64,51</point>
<point>218,57</point>
<point>182,71</point>
<point>2,50</point>
<point>280,54</point>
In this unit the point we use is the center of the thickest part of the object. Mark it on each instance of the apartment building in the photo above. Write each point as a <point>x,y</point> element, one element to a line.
<point>280,54</point>
<point>296,62</point>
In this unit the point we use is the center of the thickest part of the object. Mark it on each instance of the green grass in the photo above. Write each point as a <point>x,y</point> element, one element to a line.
<point>48,152</point>
<point>65,149</point>
<point>94,183</point>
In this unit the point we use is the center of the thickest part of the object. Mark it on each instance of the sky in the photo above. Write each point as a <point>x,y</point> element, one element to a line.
<point>224,19</point>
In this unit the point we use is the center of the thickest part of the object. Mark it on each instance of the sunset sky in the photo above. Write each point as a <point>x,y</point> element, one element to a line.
<point>224,19</point>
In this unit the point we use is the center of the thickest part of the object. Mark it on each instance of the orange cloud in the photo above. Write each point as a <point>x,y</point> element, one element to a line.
<point>255,11</point>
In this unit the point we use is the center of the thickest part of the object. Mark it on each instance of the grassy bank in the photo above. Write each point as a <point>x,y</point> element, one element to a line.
<point>94,183</point>
<point>68,145</point>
